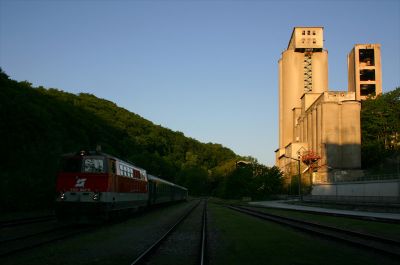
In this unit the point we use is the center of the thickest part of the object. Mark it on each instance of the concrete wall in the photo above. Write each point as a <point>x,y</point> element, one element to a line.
<point>330,126</point>
<point>291,91</point>
<point>382,188</point>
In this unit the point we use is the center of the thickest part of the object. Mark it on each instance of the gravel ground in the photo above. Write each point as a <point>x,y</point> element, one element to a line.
<point>183,245</point>
<point>117,243</point>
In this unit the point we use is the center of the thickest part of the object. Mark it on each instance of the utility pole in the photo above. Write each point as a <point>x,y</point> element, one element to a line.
<point>299,175</point>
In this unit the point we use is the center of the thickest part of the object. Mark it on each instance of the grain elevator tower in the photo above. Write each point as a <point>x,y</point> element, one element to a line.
<point>303,68</point>
<point>319,130</point>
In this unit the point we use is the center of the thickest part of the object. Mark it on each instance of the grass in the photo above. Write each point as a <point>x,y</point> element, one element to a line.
<point>376,228</point>
<point>242,239</point>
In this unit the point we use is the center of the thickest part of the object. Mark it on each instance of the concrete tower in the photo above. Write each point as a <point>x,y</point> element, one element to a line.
<point>365,71</point>
<point>303,68</point>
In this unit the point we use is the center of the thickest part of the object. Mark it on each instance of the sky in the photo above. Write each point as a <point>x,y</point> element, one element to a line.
<point>206,68</point>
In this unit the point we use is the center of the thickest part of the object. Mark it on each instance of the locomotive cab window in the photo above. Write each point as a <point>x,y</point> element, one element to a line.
<point>93,165</point>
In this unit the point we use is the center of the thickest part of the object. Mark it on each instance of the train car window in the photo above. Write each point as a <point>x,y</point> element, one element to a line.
<point>136,173</point>
<point>72,164</point>
<point>93,165</point>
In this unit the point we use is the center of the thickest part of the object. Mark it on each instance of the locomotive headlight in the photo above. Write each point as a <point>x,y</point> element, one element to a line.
<point>96,196</point>
<point>62,196</point>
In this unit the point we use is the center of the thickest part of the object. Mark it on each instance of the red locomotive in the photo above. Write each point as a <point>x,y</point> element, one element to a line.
<point>95,184</point>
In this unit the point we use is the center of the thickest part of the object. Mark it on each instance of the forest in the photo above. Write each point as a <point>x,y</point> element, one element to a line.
<point>38,125</point>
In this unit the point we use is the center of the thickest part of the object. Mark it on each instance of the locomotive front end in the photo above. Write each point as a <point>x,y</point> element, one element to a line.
<point>82,185</point>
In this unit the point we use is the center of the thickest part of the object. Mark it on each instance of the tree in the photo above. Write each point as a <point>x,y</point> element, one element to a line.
<point>239,183</point>
<point>195,179</point>
<point>269,181</point>
<point>380,126</point>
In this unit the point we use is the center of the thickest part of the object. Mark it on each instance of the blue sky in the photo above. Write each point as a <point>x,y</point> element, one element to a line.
<point>205,68</point>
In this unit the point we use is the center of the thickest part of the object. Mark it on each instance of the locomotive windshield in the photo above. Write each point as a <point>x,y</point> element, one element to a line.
<point>83,164</point>
<point>93,165</point>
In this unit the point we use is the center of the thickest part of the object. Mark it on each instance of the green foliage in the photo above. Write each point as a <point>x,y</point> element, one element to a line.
<point>255,181</point>
<point>380,125</point>
<point>195,179</point>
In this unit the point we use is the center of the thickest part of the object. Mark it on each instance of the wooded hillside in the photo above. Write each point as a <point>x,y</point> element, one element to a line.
<point>37,125</point>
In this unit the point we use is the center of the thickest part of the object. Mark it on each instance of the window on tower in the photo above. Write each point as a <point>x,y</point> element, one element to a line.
<point>367,57</point>
<point>367,75</point>
<point>367,90</point>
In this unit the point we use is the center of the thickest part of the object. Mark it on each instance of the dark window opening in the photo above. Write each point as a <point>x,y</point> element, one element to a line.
<point>367,90</point>
<point>367,56</point>
<point>367,75</point>
<point>113,168</point>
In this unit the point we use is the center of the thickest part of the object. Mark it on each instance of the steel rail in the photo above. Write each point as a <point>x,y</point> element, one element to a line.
<point>203,236</point>
<point>146,254</point>
<point>29,235</point>
<point>41,241</point>
<point>24,221</point>
<point>351,232</point>
<point>357,217</point>
<point>384,245</point>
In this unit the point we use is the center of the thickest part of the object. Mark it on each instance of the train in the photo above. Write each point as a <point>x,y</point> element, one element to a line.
<point>93,185</point>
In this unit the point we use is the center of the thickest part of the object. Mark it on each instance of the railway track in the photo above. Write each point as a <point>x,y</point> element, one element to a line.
<point>32,239</point>
<point>203,244</point>
<point>148,256</point>
<point>375,243</point>
<point>25,221</point>
<point>337,214</point>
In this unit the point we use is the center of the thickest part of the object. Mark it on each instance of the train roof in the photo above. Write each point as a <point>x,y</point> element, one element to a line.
<point>151,177</point>
<point>89,153</point>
